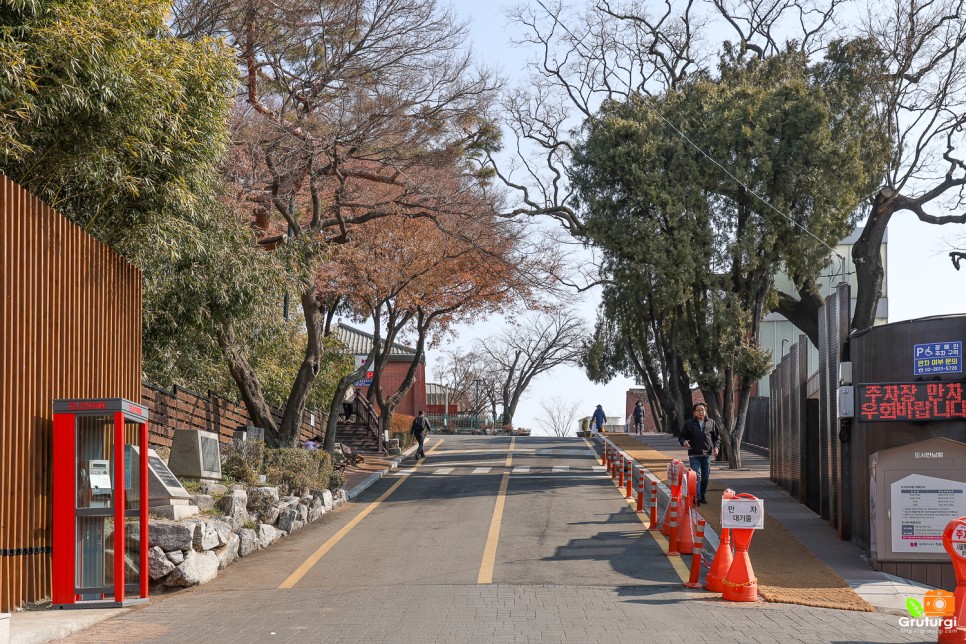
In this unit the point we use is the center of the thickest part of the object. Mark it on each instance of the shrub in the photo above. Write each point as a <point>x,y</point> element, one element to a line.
<point>295,470</point>
<point>399,428</point>
<point>337,480</point>
<point>242,461</point>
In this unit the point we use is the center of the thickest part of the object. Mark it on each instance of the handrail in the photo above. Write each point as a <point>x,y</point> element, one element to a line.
<point>365,413</point>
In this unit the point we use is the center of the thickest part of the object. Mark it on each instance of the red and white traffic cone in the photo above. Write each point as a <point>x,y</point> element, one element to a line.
<point>692,581</point>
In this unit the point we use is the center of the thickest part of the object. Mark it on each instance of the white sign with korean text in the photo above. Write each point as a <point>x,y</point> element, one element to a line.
<point>921,508</point>
<point>743,513</point>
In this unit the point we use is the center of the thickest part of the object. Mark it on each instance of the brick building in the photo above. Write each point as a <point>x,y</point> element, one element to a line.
<point>635,394</point>
<point>359,344</point>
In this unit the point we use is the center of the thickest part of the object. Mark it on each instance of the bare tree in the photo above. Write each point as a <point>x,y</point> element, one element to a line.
<point>558,416</point>
<point>923,96</point>
<point>529,348</point>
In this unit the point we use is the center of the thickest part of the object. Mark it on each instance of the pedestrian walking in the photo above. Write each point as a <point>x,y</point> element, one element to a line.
<point>598,418</point>
<point>702,438</point>
<point>348,401</point>
<point>639,418</point>
<point>420,428</point>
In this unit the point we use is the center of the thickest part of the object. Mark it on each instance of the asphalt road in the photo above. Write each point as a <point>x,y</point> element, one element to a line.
<point>477,543</point>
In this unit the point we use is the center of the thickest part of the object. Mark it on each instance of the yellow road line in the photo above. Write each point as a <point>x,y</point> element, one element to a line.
<point>493,536</point>
<point>313,559</point>
<point>676,562</point>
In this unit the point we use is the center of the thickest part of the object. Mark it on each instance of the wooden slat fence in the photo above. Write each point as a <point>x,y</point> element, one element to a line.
<point>70,327</point>
<point>185,409</point>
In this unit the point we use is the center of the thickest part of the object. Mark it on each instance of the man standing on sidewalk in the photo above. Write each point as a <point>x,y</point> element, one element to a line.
<point>702,438</point>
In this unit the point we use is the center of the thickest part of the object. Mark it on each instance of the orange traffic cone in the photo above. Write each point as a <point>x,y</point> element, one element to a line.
<point>740,584</point>
<point>685,527</point>
<point>722,558</point>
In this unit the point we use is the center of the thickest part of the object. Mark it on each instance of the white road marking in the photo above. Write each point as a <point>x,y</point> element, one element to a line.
<point>444,470</point>
<point>405,472</point>
<point>561,468</point>
<point>521,469</point>
<point>482,470</point>
<point>600,468</point>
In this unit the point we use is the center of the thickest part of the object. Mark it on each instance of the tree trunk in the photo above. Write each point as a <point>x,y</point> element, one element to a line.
<point>803,313</point>
<point>738,432</point>
<point>251,389</point>
<point>867,256</point>
<point>308,371</point>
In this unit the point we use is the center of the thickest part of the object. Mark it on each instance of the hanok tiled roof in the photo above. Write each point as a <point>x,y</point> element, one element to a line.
<point>359,342</point>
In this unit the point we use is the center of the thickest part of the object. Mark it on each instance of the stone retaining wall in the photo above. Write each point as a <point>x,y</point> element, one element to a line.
<point>235,524</point>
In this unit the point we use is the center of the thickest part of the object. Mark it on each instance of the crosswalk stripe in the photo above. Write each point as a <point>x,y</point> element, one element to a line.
<point>561,468</point>
<point>444,470</point>
<point>521,469</point>
<point>600,468</point>
<point>482,470</point>
<point>404,472</point>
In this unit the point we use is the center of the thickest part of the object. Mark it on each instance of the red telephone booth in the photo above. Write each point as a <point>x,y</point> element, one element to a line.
<point>100,492</point>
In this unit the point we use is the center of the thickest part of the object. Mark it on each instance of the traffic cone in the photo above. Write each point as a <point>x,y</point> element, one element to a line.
<point>692,581</point>
<point>722,558</point>
<point>740,584</point>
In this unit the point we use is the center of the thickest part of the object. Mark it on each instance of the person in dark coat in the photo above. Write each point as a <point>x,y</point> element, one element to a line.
<point>420,428</point>
<point>639,418</point>
<point>702,437</point>
<point>599,418</point>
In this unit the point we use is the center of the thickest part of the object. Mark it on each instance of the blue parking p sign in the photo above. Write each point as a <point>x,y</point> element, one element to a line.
<point>938,357</point>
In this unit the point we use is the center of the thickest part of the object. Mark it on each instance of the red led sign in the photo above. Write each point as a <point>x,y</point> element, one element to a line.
<point>911,401</point>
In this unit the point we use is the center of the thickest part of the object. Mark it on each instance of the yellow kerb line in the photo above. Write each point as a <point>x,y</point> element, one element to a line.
<point>493,536</point>
<point>676,562</point>
<point>313,559</point>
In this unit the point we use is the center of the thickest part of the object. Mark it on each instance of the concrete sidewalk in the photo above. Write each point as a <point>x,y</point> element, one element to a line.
<point>885,592</point>
<point>36,626</point>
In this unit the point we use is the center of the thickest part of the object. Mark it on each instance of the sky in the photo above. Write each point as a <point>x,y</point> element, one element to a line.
<point>921,278</point>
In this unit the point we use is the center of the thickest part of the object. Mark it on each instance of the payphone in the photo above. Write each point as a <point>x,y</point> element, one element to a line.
<point>100,503</point>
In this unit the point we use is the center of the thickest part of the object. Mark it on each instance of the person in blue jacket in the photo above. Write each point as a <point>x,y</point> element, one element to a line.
<point>599,417</point>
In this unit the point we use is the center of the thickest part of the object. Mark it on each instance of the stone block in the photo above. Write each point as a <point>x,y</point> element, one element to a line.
<point>267,535</point>
<point>204,502</point>
<point>197,568</point>
<point>167,535</point>
<point>327,500</point>
<point>229,552</point>
<point>303,511</point>
<point>342,495</point>
<point>289,520</point>
<point>247,542</point>
<point>175,556</point>
<point>316,510</point>
<point>213,489</point>
<point>159,565</point>
<point>206,535</point>
<point>235,506</point>
<point>175,512</point>
<point>261,499</point>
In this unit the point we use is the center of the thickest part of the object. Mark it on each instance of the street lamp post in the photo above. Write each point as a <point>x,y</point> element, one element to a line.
<point>477,382</point>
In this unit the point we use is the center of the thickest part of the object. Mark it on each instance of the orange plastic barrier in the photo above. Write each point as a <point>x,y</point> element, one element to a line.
<point>692,581</point>
<point>722,558</point>
<point>953,630</point>
<point>740,584</point>
<point>685,528</point>
<point>675,480</point>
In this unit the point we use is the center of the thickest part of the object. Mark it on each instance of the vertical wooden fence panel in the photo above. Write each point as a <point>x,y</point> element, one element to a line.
<point>70,327</point>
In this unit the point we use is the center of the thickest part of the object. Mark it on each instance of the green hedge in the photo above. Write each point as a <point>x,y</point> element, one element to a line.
<point>295,470</point>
